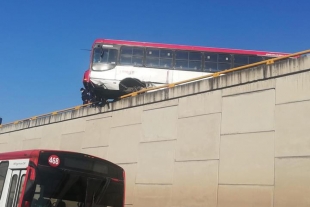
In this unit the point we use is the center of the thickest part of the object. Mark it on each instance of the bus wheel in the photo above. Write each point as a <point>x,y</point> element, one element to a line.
<point>129,85</point>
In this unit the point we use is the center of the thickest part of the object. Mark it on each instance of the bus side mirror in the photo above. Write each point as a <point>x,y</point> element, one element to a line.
<point>0,120</point>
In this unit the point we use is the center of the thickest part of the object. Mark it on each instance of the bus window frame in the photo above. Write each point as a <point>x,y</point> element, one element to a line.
<point>160,58</point>
<point>188,69</point>
<point>4,176</point>
<point>20,188</point>
<point>14,175</point>
<point>131,56</point>
<point>19,185</point>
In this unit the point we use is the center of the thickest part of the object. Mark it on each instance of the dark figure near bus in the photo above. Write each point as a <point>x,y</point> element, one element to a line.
<point>85,96</point>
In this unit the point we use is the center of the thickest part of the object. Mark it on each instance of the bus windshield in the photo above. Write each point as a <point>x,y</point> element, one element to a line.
<point>61,187</point>
<point>104,55</point>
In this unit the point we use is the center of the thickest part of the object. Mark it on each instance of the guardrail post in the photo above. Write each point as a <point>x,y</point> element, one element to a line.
<point>269,62</point>
<point>134,94</point>
<point>216,74</point>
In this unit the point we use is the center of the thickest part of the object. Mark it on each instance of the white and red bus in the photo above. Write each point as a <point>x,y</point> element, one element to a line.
<point>59,179</point>
<point>118,67</point>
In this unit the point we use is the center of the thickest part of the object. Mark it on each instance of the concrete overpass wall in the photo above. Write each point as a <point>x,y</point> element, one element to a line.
<point>238,140</point>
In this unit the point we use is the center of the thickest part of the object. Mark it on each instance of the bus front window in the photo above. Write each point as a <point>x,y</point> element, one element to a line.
<point>59,188</point>
<point>104,55</point>
<point>104,59</point>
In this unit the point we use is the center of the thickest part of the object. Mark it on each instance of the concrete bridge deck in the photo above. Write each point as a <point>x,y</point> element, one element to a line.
<point>237,140</point>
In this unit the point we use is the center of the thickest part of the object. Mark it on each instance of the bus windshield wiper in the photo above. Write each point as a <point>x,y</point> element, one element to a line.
<point>103,189</point>
<point>96,198</point>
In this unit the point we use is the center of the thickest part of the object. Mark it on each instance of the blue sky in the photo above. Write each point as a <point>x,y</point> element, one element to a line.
<point>42,64</point>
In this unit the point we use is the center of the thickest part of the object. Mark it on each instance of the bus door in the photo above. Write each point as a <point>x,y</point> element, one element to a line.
<point>14,182</point>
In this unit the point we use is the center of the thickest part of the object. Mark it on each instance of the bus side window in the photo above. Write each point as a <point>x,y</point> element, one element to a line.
<point>12,191</point>
<point>187,60</point>
<point>20,188</point>
<point>195,61</point>
<point>4,166</point>
<point>255,59</point>
<point>152,57</point>
<point>267,58</point>
<point>166,58</point>
<point>132,56</point>
<point>240,60</point>
<point>211,62</point>
<point>224,61</point>
<point>181,60</point>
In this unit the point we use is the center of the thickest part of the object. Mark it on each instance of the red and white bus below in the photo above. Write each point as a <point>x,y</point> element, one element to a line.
<point>118,67</point>
<point>59,179</point>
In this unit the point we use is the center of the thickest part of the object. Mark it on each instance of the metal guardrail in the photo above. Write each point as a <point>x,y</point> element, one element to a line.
<point>48,114</point>
<point>171,85</point>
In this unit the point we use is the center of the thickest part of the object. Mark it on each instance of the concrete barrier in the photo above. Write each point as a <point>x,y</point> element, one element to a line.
<point>237,140</point>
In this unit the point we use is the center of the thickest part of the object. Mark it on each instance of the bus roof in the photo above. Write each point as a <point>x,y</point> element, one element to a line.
<point>186,47</point>
<point>31,154</point>
<point>19,154</point>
